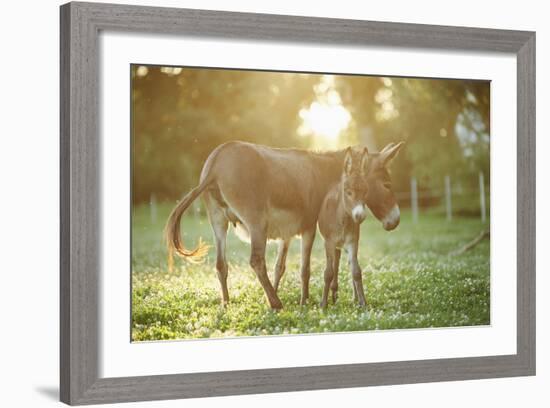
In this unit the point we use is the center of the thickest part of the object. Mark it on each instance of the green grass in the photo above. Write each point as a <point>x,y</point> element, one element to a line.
<point>409,279</point>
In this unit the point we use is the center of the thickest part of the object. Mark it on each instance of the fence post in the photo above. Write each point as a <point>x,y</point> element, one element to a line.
<point>153,208</point>
<point>448,203</point>
<point>414,200</point>
<point>482,197</point>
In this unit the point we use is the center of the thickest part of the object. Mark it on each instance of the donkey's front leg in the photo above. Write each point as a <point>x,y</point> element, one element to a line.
<point>356,273</point>
<point>308,237</point>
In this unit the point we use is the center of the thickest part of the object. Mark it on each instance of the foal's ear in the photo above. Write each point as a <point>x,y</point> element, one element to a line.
<point>348,162</point>
<point>389,152</point>
<point>364,159</point>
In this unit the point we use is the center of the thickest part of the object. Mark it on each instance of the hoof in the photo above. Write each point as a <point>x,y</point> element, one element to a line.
<point>276,305</point>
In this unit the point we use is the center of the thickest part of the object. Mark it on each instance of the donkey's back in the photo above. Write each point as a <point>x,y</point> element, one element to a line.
<point>280,190</point>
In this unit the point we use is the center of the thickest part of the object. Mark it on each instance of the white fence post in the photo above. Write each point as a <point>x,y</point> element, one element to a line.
<point>153,208</point>
<point>482,197</point>
<point>414,200</point>
<point>448,203</point>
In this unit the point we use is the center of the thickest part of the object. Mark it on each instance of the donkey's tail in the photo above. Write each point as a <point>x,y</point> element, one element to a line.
<point>172,230</point>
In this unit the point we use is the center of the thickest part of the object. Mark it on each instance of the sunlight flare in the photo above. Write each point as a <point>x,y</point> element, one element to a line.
<point>326,118</point>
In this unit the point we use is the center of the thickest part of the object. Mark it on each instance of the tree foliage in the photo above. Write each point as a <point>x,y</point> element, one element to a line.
<point>179,115</point>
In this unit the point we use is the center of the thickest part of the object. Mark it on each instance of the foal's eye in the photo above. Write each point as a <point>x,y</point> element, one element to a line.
<point>349,193</point>
<point>387,185</point>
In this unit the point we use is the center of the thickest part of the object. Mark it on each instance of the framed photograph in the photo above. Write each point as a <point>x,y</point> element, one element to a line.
<point>259,203</point>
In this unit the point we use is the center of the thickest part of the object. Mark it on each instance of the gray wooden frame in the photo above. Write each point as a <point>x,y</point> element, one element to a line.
<point>80,232</point>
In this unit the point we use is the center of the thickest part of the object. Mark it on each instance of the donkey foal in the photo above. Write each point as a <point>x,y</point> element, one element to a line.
<point>343,210</point>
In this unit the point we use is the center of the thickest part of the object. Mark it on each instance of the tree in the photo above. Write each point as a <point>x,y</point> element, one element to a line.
<point>179,115</point>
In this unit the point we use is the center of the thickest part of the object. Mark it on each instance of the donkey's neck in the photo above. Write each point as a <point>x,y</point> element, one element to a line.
<point>328,168</point>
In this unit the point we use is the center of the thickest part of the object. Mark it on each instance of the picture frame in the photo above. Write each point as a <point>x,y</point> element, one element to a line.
<point>80,234</point>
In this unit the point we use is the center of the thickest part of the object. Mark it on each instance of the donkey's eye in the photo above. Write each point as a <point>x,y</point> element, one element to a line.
<point>349,193</point>
<point>387,185</point>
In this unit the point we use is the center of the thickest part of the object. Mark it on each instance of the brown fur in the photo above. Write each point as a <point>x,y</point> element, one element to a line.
<point>381,198</point>
<point>365,181</point>
<point>262,189</point>
<point>340,228</point>
<point>271,194</point>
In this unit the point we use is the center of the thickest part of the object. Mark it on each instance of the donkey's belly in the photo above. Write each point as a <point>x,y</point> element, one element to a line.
<point>283,224</point>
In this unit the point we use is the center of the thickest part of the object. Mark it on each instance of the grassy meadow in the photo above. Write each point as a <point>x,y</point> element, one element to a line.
<point>410,282</point>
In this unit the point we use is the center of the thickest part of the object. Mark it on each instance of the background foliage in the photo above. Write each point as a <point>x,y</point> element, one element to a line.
<point>181,114</point>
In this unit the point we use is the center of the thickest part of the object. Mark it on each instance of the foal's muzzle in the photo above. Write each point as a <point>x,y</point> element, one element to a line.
<point>358,213</point>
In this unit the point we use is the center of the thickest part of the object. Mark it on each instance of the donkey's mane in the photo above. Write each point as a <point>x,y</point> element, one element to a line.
<point>325,153</point>
<point>321,153</point>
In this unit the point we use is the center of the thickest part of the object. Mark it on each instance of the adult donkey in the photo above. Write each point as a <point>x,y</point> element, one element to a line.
<point>374,188</point>
<point>267,192</point>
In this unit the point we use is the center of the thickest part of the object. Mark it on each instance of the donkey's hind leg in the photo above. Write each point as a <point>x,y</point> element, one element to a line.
<point>280,266</point>
<point>219,224</point>
<point>258,241</point>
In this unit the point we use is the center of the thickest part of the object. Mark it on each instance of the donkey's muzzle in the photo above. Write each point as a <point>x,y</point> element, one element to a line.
<point>390,226</point>
<point>391,220</point>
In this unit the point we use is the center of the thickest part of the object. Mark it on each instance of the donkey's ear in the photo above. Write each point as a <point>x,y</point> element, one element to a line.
<point>348,162</point>
<point>388,146</point>
<point>364,159</point>
<point>389,152</point>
